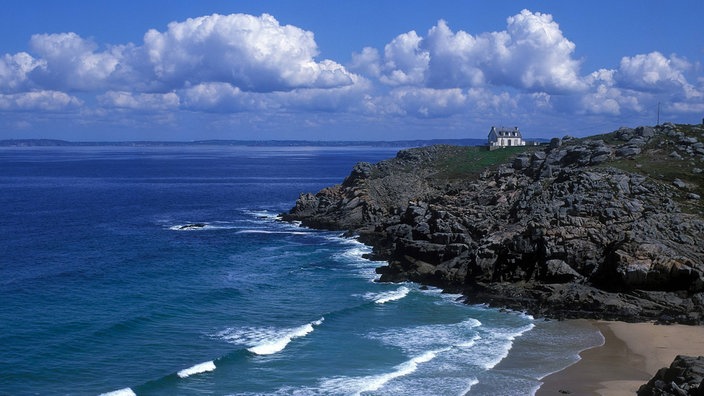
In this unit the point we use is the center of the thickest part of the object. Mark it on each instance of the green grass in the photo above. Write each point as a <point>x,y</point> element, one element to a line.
<point>471,161</point>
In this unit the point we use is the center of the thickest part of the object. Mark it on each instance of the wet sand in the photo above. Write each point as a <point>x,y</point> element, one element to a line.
<point>631,354</point>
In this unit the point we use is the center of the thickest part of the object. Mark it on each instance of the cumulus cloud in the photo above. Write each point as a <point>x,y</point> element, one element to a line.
<point>366,62</point>
<point>221,97</point>
<point>428,102</point>
<point>405,61</point>
<point>538,54</point>
<point>605,97</point>
<point>14,70</point>
<point>249,52</point>
<point>140,102</point>
<point>72,63</point>
<point>654,72</point>
<point>48,101</point>
<point>531,54</point>
<point>253,64</point>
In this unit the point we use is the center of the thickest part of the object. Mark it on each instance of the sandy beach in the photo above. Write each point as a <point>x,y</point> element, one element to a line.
<point>631,354</point>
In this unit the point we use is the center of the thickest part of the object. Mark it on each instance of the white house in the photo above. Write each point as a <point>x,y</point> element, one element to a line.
<point>505,137</point>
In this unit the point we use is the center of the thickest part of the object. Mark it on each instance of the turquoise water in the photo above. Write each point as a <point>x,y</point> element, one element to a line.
<point>106,289</point>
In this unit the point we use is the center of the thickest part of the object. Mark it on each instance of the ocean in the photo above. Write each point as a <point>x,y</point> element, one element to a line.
<point>166,271</point>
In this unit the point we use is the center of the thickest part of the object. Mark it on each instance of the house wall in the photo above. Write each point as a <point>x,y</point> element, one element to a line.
<point>508,142</point>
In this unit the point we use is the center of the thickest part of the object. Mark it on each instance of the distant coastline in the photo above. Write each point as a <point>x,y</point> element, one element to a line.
<point>247,143</point>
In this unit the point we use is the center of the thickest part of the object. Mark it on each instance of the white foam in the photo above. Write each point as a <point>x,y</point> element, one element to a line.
<point>263,214</point>
<point>470,343</point>
<point>502,339</point>
<point>267,341</point>
<point>371,383</point>
<point>197,369</point>
<point>120,392</point>
<point>201,226</point>
<point>466,390</point>
<point>384,297</point>
<point>262,231</point>
<point>429,337</point>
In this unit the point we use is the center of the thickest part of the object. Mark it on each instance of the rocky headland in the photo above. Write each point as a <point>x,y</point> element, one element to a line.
<point>608,227</point>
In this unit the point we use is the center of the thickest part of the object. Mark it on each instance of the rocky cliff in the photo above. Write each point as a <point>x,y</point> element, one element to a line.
<point>605,227</point>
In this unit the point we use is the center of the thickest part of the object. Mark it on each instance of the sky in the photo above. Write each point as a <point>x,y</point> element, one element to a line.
<point>183,70</point>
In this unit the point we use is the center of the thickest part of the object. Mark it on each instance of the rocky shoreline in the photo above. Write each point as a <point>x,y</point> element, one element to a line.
<point>607,227</point>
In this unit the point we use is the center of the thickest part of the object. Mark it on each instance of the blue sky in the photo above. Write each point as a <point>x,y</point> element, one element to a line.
<point>354,70</point>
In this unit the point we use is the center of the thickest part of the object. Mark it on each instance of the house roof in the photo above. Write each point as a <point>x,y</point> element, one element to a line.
<point>506,132</point>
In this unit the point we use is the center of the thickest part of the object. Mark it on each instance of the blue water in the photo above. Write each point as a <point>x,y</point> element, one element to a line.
<point>103,289</point>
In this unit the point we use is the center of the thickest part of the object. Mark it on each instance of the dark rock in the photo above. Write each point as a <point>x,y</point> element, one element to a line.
<point>679,183</point>
<point>193,226</point>
<point>685,376</point>
<point>645,131</point>
<point>628,151</point>
<point>521,162</point>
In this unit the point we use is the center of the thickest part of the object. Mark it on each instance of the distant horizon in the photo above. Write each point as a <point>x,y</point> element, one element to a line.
<point>57,142</point>
<point>177,70</point>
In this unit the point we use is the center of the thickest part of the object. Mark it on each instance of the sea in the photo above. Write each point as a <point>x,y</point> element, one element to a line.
<point>168,271</point>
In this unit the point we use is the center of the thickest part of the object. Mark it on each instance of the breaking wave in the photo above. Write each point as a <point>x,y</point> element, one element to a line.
<point>197,369</point>
<point>384,297</point>
<point>267,341</point>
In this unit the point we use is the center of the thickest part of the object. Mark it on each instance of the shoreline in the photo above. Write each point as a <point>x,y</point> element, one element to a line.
<point>630,356</point>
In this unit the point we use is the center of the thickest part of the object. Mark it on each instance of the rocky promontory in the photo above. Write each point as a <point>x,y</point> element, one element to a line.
<point>610,226</point>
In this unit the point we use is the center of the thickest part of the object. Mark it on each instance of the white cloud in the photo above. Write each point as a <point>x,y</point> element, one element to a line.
<point>48,101</point>
<point>249,52</point>
<point>225,98</point>
<point>405,60</point>
<point>604,97</point>
<point>140,102</point>
<point>71,63</point>
<point>532,54</point>
<point>218,64</point>
<point>653,72</point>
<point>458,59</point>
<point>427,102</point>
<point>14,70</point>
<point>490,102</point>
<point>366,62</point>
<point>538,54</point>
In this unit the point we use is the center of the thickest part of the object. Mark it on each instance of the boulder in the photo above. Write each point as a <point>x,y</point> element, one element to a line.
<point>685,376</point>
<point>628,151</point>
<point>558,271</point>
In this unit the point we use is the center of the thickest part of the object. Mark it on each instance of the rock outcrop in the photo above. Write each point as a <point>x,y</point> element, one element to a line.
<point>684,377</point>
<point>578,228</point>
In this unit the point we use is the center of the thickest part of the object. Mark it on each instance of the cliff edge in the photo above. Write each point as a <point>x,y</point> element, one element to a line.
<point>610,226</point>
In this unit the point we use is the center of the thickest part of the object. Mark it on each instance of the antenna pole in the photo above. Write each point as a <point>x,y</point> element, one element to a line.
<point>658,113</point>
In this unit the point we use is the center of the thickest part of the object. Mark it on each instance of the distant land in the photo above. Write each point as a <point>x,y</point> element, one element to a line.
<point>249,143</point>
